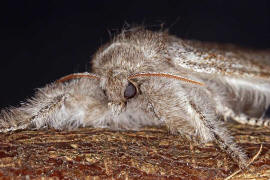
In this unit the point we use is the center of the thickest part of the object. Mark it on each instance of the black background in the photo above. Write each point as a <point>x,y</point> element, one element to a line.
<point>41,41</point>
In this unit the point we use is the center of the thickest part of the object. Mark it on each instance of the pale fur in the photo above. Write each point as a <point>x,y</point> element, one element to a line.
<point>227,89</point>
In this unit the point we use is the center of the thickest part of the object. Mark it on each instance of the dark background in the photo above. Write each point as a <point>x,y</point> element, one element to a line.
<point>41,41</point>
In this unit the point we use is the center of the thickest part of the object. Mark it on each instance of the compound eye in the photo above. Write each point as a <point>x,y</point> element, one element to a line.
<point>130,91</point>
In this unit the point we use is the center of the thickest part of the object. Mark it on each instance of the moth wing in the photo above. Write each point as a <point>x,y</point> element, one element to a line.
<point>238,78</point>
<point>220,59</point>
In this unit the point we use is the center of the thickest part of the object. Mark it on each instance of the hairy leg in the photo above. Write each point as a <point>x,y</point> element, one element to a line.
<point>58,105</point>
<point>204,110</point>
<point>190,111</point>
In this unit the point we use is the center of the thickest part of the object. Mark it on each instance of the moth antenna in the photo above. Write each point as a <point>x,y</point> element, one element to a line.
<point>76,76</point>
<point>166,76</point>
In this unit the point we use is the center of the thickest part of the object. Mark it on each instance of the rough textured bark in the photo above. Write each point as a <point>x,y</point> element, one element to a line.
<point>148,154</point>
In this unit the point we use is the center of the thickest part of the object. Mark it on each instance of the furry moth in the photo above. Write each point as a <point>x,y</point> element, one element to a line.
<point>145,78</point>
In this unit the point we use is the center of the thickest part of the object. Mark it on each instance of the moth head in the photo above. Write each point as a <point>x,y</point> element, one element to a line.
<point>120,88</point>
<point>119,91</point>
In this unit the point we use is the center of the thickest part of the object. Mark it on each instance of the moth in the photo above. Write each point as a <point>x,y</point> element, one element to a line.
<point>150,78</point>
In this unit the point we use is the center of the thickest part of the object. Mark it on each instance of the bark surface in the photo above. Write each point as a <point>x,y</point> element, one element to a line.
<point>148,154</point>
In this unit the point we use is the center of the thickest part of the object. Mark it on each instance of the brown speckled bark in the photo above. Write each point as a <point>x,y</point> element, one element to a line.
<point>147,154</point>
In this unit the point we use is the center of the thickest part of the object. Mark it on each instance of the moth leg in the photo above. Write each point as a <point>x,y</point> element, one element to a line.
<point>204,111</point>
<point>31,115</point>
<point>243,104</point>
<point>43,117</point>
<point>191,112</point>
<point>69,105</point>
<point>68,111</point>
<point>243,118</point>
<point>203,116</point>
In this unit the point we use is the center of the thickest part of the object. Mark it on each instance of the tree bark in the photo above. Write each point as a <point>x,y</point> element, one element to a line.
<point>147,154</point>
